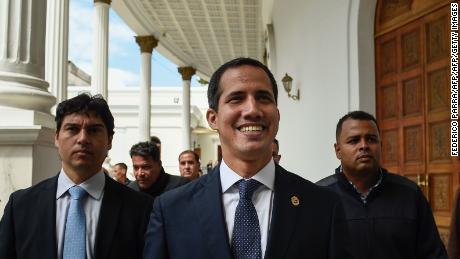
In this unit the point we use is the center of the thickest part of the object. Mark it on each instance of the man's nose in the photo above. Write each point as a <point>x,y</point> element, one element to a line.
<point>363,144</point>
<point>251,107</point>
<point>140,172</point>
<point>83,136</point>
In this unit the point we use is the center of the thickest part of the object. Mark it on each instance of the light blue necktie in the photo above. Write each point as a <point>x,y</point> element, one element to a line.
<point>75,227</point>
<point>246,230</point>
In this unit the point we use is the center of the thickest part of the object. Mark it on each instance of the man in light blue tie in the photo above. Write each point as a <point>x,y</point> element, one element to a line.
<point>248,206</point>
<point>75,227</point>
<point>81,213</point>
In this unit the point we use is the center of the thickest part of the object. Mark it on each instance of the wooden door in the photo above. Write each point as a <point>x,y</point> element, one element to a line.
<point>413,98</point>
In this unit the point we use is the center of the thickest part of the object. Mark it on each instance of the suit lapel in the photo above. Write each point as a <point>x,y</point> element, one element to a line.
<point>108,219</point>
<point>46,208</point>
<point>209,210</point>
<point>284,216</point>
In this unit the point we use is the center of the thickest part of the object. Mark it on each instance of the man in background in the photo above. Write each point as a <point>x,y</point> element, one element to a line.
<point>119,172</point>
<point>388,215</point>
<point>148,171</point>
<point>189,165</point>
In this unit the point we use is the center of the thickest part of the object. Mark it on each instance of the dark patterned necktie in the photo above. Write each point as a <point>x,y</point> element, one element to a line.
<point>246,230</point>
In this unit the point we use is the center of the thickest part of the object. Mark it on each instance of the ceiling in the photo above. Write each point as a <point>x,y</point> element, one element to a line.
<point>199,33</point>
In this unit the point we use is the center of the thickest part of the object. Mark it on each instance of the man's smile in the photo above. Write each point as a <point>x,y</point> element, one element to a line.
<point>251,128</point>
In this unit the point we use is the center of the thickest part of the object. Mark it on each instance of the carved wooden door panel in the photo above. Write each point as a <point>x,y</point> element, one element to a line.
<point>413,106</point>
<point>442,169</point>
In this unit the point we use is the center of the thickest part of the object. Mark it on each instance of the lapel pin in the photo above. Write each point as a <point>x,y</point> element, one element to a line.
<point>295,201</point>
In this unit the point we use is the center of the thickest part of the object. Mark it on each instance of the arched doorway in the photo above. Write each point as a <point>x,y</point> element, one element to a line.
<point>412,51</point>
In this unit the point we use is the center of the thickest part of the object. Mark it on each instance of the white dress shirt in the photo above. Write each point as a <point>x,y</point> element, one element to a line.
<point>94,186</point>
<point>262,198</point>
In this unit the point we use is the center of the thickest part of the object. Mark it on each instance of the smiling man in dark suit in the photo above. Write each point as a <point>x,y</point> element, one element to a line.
<point>247,207</point>
<point>81,212</point>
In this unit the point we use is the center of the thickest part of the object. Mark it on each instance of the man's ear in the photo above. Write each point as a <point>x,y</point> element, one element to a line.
<point>109,145</point>
<point>211,117</point>
<point>338,154</point>
<point>278,122</point>
<point>56,143</point>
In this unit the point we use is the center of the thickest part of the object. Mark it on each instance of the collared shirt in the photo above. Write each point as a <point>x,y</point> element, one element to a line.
<point>262,198</point>
<point>364,196</point>
<point>92,205</point>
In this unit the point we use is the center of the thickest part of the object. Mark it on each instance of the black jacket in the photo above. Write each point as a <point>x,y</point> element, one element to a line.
<point>164,183</point>
<point>396,222</point>
<point>28,226</point>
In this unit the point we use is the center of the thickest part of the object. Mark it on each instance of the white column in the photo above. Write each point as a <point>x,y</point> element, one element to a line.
<point>57,41</point>
<point>22,55</point>
<point>99,76</point>
<point>27,152</point>
<point>187,73</point>
<point>145,100</point>
<point>146,44</point>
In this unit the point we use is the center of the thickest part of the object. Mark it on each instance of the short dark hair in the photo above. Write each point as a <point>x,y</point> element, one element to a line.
<point>155,140</point>
<point>355,115</point>
<point>214,91</point>
<point>85,103</point>
<point>197,157</point>
<point>122,165</point>
<point>145,149</point>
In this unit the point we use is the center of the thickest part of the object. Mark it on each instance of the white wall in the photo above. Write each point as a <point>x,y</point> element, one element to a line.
<point>27,156</point>
<point>316,43</point>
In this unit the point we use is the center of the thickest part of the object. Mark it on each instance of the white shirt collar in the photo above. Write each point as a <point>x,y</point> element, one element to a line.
<point>94,186</point>
<point>266,176</point>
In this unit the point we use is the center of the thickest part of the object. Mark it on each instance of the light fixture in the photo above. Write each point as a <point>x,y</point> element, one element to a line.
<point>287,83</point>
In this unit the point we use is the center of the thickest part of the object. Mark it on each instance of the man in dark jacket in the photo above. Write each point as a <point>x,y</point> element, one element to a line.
<point>51,220</point>
<point>387,214</point>
<point>151,178</point>
<point>247,207</point>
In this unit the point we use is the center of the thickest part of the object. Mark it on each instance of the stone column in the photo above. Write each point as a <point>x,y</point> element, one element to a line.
<point>27,152</point>
<point>146,44</point>
<point>22,46</point>
<point>57,45</point>
<point>187,73</point>
<point>99,75</point>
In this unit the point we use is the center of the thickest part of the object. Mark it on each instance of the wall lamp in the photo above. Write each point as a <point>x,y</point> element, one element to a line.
<point>287,83</point>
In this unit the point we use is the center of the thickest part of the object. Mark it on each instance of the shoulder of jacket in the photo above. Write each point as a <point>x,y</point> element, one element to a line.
<point>328,181</point>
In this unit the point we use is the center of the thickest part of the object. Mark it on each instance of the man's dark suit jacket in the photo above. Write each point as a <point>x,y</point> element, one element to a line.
<point>188,222</point>
<point>28,226</point>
